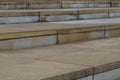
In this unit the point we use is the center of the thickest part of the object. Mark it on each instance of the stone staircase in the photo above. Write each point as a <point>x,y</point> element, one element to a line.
<point>36,23</point>
<point>26,23</point>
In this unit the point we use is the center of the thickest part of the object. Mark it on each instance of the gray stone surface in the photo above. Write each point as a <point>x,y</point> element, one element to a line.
<point>53,18</point>
<point>77,5</point>
<point>93,16</point>
<point>21,19</point>
<point>95,21</point>
<point>6,7</point>
<point>110,75</point>
<point>27,42</point>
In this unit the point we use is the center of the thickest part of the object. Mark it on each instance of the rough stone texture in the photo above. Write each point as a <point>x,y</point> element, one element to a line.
<point>61,62</point>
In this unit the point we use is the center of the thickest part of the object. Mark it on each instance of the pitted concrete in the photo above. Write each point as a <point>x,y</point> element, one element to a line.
<point>61,62</point>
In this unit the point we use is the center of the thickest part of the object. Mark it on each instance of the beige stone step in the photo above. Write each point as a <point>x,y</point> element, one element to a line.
<point>63,62</point>
<point>17,36</point>
<point>56,4</point>
<point>53,15</point>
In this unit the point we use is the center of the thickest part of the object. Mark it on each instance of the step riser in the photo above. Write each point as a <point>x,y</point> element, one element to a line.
<point>6,7</point>
<point>23,19</point>
<point>57,17</point>
<point>27,42</point>
<point>24,40</point>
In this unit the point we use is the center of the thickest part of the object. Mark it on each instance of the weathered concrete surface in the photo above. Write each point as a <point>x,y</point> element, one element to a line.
<point>62,62</point>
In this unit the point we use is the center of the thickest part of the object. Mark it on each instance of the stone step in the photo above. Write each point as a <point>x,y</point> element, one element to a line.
<point>56,4</point>
<point>20,36</point>
<point>90,60</point>
<point>54,15</point>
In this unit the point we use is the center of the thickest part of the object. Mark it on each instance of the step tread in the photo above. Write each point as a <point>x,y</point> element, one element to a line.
<point>16,31</point>
<point>41,12</point>
<point>12,28</point>
<point>74,60</point>
<point>32,10</point>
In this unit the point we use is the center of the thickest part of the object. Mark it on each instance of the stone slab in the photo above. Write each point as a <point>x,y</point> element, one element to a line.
<point>47,63</point>
<point>35,70</point>
<point>15,31</point>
